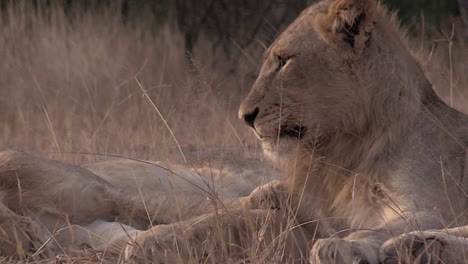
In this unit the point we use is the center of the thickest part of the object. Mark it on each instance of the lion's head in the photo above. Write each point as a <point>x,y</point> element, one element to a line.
<point>340,68</point>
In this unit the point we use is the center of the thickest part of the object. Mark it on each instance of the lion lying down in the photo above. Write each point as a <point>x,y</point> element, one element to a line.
<point>375,165</point>
<point>51,206</point>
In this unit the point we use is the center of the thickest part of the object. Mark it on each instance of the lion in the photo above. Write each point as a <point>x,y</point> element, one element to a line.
<point>49,207</point>
<point>374,165</point>
<point>375,159</point>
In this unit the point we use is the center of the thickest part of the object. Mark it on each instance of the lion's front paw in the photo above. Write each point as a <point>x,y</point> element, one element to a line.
<point>269,196</point>
<point>414,247</point>
<point>157,245</point>
<point>336,251</point>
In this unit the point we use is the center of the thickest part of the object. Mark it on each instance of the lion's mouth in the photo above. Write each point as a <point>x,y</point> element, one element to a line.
<point>297,132</point>
<point>294,132</point>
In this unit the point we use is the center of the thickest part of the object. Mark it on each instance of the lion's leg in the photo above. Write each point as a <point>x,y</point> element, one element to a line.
<point>363,246</point>
<point>435,246</point>
<point>109,237</point>
<point>457,231</point>
<point>169,208</point>
<point>18,234</point>
<point>273,195</point>
<point>259,234</point>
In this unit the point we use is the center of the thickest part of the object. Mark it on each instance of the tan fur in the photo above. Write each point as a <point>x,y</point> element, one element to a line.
<point>53,206</point>
<point>372,152</point>
<point>380,151</point>
<point>379,155</point>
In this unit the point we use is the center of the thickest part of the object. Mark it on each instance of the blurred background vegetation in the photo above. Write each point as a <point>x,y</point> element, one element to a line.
<point>235,24</point>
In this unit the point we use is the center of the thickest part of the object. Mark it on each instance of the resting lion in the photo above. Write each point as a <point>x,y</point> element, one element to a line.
<point>375,163</point>
<point>373,153</point>
<point>47,206</point>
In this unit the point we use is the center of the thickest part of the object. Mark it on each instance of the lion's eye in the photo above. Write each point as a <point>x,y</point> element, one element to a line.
<point>282,60</point>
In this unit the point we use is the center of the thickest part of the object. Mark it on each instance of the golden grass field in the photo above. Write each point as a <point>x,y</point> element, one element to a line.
<point>73,87</point>
<point>77,85</point>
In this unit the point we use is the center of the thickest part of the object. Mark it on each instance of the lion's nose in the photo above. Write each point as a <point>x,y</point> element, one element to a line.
<point>249,118</point>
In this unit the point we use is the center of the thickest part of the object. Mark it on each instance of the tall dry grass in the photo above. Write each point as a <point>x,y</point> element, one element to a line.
<point>76,83</point>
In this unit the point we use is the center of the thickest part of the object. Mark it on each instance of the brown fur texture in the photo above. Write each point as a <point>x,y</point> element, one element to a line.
<point>370,145</point>
<point>372,152</point>
<point>48,207</point>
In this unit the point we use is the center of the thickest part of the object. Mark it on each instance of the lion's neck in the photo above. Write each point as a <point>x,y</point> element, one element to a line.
<point>345,165</point>
<point>337,156</point>
<point>340,167</point>
<point>339,174</point>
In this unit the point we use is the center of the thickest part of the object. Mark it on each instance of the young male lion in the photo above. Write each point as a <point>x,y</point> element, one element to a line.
<point>372,151</point>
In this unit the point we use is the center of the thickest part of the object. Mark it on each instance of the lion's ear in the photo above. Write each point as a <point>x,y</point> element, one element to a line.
<point>348,24</point>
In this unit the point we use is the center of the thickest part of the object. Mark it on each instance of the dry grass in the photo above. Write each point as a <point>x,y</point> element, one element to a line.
<point>78,83</point>
<point>71,85</point>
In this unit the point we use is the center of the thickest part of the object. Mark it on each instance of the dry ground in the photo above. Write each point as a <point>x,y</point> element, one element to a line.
<point>88,83</point>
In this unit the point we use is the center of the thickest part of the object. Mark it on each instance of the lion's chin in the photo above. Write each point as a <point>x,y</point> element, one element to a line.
<point>279,151</point>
